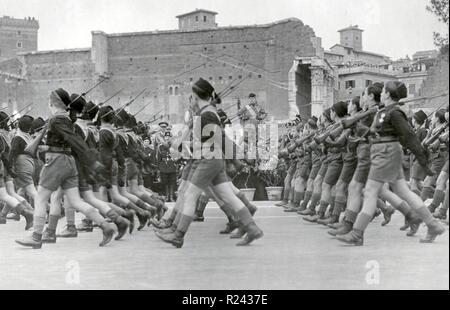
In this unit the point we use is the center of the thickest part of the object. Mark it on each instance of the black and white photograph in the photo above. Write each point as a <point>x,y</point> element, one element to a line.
<point>224,149</point>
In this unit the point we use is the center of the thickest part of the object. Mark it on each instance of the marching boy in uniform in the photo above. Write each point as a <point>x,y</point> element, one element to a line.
<point>60,170</point>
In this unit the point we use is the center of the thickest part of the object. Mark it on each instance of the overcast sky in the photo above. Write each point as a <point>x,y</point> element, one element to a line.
<point>392,27</point>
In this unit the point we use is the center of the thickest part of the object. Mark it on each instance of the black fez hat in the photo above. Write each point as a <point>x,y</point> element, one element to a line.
<point>37,124</point>
<point>203,86</point>
<point>131,122</point>
<point>105,114</point>
<point>25,123</point>
<point>327,115</point>
<point>340,108</point>
<point>64,96</point>
<point>357,102</point>
<point>252,95</point>
<point>420,117</point>
<point>77,103</point>
<point>89,111</point>
<point>123,115</point>
<point>118,121</point>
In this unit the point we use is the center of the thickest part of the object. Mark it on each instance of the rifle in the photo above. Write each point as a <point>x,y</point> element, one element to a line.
<point>87,92</point>
<point>142,108</point>
<point>154,117</point>
<point>102,103</point>
<point>328,131</point>
<point>17,113</point>
<point>125,105</point>
<point>434,111</point>
<point>435,136</point>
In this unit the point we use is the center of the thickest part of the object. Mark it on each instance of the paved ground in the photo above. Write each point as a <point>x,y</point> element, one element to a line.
<point>292,255</point>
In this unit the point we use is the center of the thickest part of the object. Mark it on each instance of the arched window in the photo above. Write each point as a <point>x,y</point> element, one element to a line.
<point>171,90</point>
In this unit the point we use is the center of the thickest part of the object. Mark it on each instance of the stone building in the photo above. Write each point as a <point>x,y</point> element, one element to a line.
<point>274,61</point>
<point>17,35</point>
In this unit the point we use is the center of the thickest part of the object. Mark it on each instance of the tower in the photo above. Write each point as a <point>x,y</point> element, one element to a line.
<point>17,35</point>
<point>197,20</point>
<point>352,37</point>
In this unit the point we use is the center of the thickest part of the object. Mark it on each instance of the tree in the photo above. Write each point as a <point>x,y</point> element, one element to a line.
<point>440,8</point>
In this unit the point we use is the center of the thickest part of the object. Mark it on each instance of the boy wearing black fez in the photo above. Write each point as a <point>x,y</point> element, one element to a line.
<point>21,163</point>
<point>60,170</point>
<point>390,126</point>
<point>110,211</point>
<point>11,202</point>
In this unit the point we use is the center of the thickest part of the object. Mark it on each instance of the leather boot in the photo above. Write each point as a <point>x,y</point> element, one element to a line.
<point>34,241</point>
<point>351,238</point>
<point>70,231</point>
<point>253,233</point>
<point>387,216</point>
<point>86,225</point>
<point>176,238</point>
<point>143,217</point>
<point>28,215</point>
<point>108,233</point>
<point>229,228</point>
<point>434,229</point>
<point>129,215</point>
<point>282,203</point>
<point>343,230</point>
<point>49,236</point>
<point>121,223</point>
<point>239,234</point>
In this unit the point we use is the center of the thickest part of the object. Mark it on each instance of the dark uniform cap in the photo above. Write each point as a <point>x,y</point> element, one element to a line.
<point>313,122</point>
<point>441,115</point>
<point>77,104</point>
<point>3,117</point>
<point>131,122</point>
<point>37,124</point>
<point>123,115</point>
<point>252,95</point>
<point>63,95</point>
<point>89,111</point>
<point>25,123</point>
<point>203,86</point>
<point>106,114</point>
<point>420,117</point>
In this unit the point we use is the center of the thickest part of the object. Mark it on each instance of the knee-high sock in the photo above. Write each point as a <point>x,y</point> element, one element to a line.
<point>438,198</point>
<point>70,215</point>
<point>425,215</point>
<point>244,217</point>
<point>183,224</point>
<point>173,215</point>
<point>339,205</point>
<point>201,205</point>
<point>361,223</point>
<point>286,193</point>
<point>350,216</point>
<point>298,197</point>
<point>119,210</point>
<point>383,206</point>
<point>333,199</point>
<point>52,223</point>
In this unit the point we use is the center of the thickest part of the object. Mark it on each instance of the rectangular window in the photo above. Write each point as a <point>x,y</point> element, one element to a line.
<point>204,19</point>
<point>19,44</point>
<point>349,84</point>
<point>196,18</point>
<point>368,83</point>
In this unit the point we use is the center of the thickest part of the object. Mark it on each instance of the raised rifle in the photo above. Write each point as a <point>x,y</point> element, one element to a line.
<point>427,142</point>
<point>126,104</point>
<point>18,113</point>
<point>102,103</point>
<point>88,91</point>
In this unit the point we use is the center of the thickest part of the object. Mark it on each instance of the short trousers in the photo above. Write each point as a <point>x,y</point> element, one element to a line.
<point>363,166</point>
<point>323,169</point>
<point>140,178</point>
<point>186,170</point>
<point>348,170</point>
<point>24,168</point>
<point>386,162</point>
<point>207,172</point>
<point>314,171</point>
<point>59,170</point>
<point>333,172</point>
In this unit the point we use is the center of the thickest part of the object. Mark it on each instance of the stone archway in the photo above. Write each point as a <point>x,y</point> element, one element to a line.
<point>311,86</point>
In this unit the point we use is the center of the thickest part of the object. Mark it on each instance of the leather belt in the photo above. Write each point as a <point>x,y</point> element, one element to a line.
<point>383,139</point>
<point>62,150</point>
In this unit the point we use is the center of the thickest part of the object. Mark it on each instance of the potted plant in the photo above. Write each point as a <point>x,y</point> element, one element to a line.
<point>274,179</point>
<point>241,181</point>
